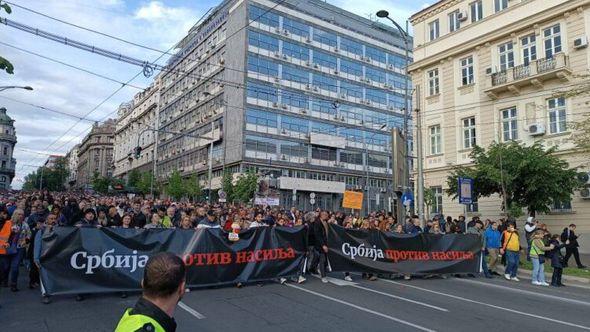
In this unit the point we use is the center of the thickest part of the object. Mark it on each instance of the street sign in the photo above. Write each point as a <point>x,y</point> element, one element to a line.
<point>312,201</point>
<point>465,191</point>
<point>222,196</point>
<point>407,198</point>
<point>312,195</point>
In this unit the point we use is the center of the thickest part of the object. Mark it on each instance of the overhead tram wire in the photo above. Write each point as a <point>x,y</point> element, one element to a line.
<point>143,71</point>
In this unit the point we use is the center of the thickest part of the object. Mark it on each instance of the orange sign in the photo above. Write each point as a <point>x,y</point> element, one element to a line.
<point>352,200</point>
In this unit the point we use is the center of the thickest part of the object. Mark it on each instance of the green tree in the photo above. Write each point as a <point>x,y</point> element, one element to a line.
<point>133,178</point>
<point>100,183</point>
<point>528,177</point>
<point>245,186</point>
<point>175,187</point>
<point>144,184</point>
<point>581,137</point>
<point>5,64</point>
<point>227,185</point>
<point>193,188</point>
<point>429,198</point>
<point>51,179</point>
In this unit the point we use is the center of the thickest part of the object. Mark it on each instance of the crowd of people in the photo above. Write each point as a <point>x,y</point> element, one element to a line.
<point>25,217</point>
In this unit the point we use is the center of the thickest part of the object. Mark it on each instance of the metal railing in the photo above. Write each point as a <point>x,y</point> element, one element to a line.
<point>531,69</point>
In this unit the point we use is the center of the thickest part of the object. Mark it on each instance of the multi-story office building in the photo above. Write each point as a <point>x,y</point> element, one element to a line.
<point>301,90</point>
<point>137,119</point>
<point>489,71</point>
<point>7,143</point>
<point>72,165</point>
<point>95,155</point>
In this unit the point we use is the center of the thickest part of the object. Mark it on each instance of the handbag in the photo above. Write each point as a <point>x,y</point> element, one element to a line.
<point>541,259</point>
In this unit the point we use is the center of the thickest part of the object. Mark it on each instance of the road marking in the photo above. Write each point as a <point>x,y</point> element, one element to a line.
<point>522,291</point>
<point>191,311</point>
<point>490,305</point>
<point>400,298</point>
<point>361,308</point>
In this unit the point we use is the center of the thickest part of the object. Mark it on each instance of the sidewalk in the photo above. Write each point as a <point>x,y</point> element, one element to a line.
<point>566,278</point>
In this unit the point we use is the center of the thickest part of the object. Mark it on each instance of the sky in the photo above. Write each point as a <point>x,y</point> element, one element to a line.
<point>158,24</point>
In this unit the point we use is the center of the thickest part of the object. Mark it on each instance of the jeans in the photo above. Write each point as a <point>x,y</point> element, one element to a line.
<point>4,267</point>
<point>15,265</point>
<point>484,266</point>
<point>538,270</point>
<point>512,258</point>
<point>556,277</point>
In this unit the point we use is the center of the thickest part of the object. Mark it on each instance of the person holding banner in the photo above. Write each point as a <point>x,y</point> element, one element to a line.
<point>164,282</point>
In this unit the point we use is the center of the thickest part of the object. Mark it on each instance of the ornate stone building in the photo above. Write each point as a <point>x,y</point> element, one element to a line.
<point>95,154</point>
<point>7,142</point>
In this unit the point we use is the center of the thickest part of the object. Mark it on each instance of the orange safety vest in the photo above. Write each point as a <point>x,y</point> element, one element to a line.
<point>4,235</point>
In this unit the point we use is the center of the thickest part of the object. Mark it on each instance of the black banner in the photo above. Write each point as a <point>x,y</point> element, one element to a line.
<point>355,250</point>
<point>89,260</point>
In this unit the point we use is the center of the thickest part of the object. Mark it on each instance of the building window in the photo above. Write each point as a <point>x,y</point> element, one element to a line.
<point>509,124</point>
<point>557,116</point>
<point>433,86</point>
<point>469,140</point>
<point>473,207</point>
<point>562,206</point>
<point>500,5</point>
<point>552,40</point>
<point>435,140</point>
<point>467,71</point>
<point>5,150</point>
<point>434,28</point>
<point>476,11</point>
<point>454,23</point>
<point>437,205</point>
<point>529,49</point>
<point>506,53</point>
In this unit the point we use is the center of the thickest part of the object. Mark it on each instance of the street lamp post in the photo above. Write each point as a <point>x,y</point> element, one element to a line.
<point>2,88</point>
<point>406,38</point>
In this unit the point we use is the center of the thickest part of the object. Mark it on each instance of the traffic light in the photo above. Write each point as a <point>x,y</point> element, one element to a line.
<point>137,151</point>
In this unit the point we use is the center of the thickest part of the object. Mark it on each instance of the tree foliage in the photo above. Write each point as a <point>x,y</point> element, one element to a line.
<point>133,178</point>
<point>175,187</point>
<point>228,186</point>
<point>581,137</point>
<point>193,188</point>
<point>526,176</point>
<point>245,186</point>
<point>53,178</point>
<point>144,184</point>
<point>5,64</point>
<point>429,198</point>
<point>100,183</point>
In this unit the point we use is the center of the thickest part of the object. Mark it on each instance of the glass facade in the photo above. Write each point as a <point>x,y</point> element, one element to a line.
<point>316,81</point>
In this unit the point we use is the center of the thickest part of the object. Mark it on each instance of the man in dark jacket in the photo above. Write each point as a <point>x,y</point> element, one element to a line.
<point>320,230</point>
<point>572,248</point>
<point>38,214</point>
<point>89,219</point>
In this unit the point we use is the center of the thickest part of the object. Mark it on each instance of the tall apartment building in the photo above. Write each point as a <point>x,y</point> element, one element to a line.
<point>134,121</point>
<point>489,70</point>
<point>95,154</point>
<point>72,165</point>
<point>301,90</point>
<point>7,143</point>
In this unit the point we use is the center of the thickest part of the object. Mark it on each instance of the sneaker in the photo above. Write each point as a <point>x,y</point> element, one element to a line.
<point>325,280</point>
<point>347,278</point>
<point>543,284</point>
<point>45,299</point>
<point>187,290</point>
<point>13,288</point>
<point>373,278</point>
<point>407,277</point>
<point>515,279</point>
<point>283,281</point>
<point>582,266</point>
<point>507,276</point>
<point>79,298</point>
<point>536,283</point>
<point>301,280</point>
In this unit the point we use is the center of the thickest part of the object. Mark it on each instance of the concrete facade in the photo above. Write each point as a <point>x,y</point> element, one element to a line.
<point>495,78</point>
<point>7,143</point>
<point>95,154</point>
<point>301,91</point>
<point>135,118</point>
<point>72,164</point>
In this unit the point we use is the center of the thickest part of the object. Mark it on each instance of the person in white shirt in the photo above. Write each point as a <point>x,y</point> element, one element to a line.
<point>257,221</point>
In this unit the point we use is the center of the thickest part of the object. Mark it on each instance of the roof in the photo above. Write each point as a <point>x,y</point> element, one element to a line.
<point>4,118</point>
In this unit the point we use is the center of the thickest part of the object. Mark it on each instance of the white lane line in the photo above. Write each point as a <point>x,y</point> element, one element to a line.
<point>522,291</point>
<point>361,308</point>
<point>191,311</point>
<point>399,298</point>
<point>490,305</point>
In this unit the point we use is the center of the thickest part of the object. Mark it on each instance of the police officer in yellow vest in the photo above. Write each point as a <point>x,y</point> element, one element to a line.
<point>163,287</point>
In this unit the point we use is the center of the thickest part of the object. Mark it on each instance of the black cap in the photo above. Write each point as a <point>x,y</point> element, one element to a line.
<point>211,213</point>
<point>89,211</point>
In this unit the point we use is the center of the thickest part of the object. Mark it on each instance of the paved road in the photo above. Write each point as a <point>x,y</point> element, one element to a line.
<point>384,305</point>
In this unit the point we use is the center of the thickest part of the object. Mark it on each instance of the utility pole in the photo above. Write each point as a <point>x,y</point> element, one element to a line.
<point>420,191</point>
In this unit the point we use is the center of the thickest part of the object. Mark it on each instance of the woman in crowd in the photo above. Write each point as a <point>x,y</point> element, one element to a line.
<point>127,221</point>
<point>537,253</point>
<point>186,223</point>
<point>556,259</point>
<point>155,222</point>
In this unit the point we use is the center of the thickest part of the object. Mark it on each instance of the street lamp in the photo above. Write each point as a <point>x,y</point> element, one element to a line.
<point>406,38</point>
<point>2,88</point>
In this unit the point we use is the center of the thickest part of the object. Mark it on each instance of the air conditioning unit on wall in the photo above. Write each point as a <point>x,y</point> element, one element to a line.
<point>537,129</point>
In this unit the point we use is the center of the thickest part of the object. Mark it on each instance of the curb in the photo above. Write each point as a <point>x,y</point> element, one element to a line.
<point>564,277</point>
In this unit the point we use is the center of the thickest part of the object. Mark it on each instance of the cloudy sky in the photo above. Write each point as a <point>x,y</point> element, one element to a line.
<point>158,24</point>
